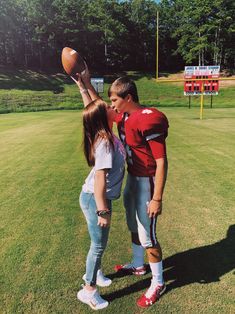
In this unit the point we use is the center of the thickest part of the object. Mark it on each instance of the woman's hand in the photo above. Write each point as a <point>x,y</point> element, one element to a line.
<point>83,79</point>
<point>78,81</point>
<point>104,221</point>
<point>85,76</point>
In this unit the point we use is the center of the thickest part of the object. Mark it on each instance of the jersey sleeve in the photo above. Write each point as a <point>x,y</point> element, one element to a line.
<point>154,129</point>
<point>103,156</point>
<point>153,125</point>
<point>158,147</point>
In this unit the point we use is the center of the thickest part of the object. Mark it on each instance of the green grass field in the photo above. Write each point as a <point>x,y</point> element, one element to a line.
<point>43,234</point>
<point>22,91</point>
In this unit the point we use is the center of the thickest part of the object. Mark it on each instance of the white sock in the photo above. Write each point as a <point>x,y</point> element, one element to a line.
<point>157,273</point>
<point>138,255</point>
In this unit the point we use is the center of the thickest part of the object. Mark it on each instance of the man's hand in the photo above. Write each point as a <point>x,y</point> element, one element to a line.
<point>154,208</point>
<point>104,221</point>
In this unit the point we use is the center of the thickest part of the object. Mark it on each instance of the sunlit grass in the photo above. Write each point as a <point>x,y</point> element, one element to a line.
<point>43,233</point>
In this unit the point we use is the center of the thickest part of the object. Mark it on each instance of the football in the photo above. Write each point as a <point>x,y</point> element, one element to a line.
<point>72,61</point>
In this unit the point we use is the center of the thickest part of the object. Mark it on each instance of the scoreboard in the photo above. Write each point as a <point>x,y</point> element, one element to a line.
<point>98,84</point>
<point>207,73</point>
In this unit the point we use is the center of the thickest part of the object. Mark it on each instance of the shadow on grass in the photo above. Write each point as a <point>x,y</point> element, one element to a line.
<point>23,79</point>
<point>203,265</point>
<point>32,80</point>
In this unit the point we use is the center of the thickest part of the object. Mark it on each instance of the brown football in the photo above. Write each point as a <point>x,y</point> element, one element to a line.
<point>72,61</point>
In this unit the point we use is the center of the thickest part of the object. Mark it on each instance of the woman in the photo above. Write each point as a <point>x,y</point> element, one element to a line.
<point>105,153</point>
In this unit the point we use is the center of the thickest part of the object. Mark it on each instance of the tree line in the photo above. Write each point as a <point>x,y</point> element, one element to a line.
<point>114,34</point>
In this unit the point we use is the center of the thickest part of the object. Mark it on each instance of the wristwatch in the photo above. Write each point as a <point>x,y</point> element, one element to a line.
<point>103,213</point>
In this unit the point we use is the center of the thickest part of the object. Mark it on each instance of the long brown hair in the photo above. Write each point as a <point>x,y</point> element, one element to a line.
<point>95,126</point>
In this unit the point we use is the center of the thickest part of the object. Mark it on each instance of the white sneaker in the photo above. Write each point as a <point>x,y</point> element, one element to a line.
<point>93,299</point>
<point>101,280</point>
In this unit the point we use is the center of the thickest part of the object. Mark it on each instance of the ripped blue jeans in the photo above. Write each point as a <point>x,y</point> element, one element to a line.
<point>98,235</point>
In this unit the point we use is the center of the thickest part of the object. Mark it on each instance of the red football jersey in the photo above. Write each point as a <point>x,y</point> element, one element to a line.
<point>143,134</point>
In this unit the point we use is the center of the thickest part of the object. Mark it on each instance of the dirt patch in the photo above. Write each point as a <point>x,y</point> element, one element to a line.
<point>228,83</point>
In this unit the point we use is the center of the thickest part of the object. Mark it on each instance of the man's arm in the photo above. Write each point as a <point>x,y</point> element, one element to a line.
<point>155,205</point>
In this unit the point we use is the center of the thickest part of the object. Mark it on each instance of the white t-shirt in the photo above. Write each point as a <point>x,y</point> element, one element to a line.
<point>112,159</point>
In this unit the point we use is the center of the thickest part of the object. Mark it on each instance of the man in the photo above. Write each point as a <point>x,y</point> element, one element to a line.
<point>143,132</point>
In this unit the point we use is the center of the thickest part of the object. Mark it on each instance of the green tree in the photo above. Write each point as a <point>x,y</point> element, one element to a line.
<point>114,34</point>
<point>203,30</point>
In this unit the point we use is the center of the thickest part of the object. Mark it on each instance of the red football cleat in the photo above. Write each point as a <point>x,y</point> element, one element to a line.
<point>129,269</point>
<point>146,301</point>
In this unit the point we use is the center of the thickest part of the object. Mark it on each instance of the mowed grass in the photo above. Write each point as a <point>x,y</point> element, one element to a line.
<point>43,233</point>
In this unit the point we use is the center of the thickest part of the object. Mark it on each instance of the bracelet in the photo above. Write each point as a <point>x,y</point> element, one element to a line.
<point>83,90</point>
<point>102,213</point>
<point>153,199</point>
